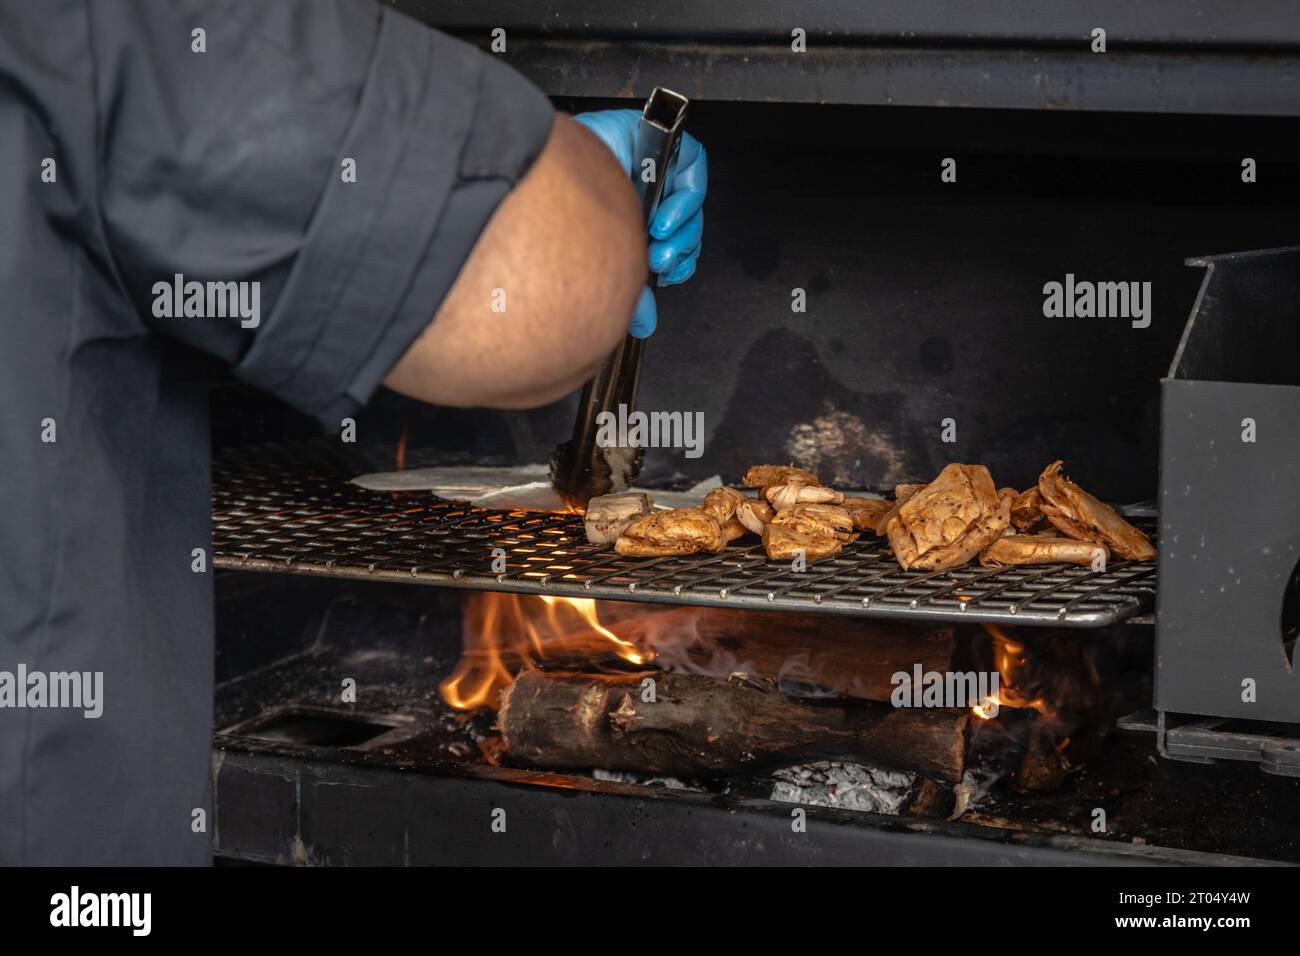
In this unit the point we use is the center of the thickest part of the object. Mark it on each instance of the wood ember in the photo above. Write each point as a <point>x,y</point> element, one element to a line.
<point>1043,769</point>
<point>698,726</point>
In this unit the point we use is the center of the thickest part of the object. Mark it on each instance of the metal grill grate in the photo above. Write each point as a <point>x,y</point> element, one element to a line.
<point>310,520</point>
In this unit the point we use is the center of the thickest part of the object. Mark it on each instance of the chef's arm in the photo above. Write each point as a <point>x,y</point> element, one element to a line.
<point>563,261</point>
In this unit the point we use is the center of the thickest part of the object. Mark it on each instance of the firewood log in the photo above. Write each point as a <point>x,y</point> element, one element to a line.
<point>849,657</point>
<point>698,726</point>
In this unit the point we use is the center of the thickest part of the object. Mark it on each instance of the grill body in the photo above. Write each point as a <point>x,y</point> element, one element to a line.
<point>1230,497</point>
<point>924,304</point>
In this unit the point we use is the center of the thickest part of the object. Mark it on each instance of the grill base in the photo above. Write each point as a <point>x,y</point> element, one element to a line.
<point>422,793</point>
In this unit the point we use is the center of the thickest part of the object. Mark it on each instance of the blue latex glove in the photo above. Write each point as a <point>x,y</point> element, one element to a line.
<point>678,225</point>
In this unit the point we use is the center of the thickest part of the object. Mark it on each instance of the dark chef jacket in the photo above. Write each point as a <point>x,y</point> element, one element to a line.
<point>224,165</point>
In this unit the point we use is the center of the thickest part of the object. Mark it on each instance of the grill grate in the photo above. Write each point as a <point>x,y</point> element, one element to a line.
<point>271,513</point>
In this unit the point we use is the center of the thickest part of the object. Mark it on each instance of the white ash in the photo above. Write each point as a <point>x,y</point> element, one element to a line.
<point>978,784</point>
<point>621,776</point>
<point>845,786</point>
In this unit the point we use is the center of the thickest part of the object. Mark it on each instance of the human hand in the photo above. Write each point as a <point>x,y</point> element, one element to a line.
<point>678,225</point>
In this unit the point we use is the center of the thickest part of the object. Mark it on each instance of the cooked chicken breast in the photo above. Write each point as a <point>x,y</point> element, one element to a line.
<point>754,514</point>
<point>817,519</point>
<point>1027,509</point>
<point>1081,516</point>
<point>901,494</point>
<point>817,530</point>
<point>951,520</point>
<point>721,503</point>
<point>674,532</point>
<point>784,543</point>
<point>732,529</point>
<point>764,476</point>
<point>795,492</point>
<point>1041,549</point>
<point>608,516</point>
<point>867,512</point>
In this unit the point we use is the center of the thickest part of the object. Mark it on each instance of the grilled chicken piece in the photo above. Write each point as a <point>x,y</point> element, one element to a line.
<point>817,519</point>
<point>1027,509</point>
<point>817,530</point>
<point>764,476</point>
<point>608,515</point>
<point>667,533</point>
<point>1081,516</point>
<point>795,492</point>
<point>732,529</point>
<point>867,512</point>
<point>901,494</point>
<point>721,503</point>
<point>951,520</point>
<point>754,514</point>
<point>1041,549</point>
<point>784,543</point>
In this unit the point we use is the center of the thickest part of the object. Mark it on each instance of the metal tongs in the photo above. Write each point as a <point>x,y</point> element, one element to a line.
<point>580,470</point>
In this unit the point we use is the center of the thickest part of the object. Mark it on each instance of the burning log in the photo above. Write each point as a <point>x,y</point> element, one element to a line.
<point>807,654</point>
<point>700,726</point>
<point>1042,769</point>
<point>841,657</point>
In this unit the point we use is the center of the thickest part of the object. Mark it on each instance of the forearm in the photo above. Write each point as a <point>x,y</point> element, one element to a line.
<point>547,291</point>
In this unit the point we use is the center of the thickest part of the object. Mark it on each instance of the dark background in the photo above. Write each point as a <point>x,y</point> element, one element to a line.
<point>924,298</point>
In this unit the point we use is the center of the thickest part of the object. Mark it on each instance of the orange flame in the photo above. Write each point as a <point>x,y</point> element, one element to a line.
<point>504,633</point>
<point>1011,661</point>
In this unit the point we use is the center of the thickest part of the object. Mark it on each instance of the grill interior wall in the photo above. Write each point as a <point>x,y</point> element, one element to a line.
<point>924,298</point>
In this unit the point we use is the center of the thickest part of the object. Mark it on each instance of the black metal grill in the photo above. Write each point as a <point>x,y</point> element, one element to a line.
<point>311,520</point>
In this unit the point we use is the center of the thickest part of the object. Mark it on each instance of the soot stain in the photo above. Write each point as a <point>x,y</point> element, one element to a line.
<point>937,356</point>
<point>759,256</point>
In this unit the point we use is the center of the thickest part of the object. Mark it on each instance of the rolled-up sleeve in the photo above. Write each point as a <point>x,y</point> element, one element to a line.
<point>342,155</point>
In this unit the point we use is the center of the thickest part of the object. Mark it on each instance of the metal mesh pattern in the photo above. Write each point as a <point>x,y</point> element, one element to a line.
<point>312,521</point>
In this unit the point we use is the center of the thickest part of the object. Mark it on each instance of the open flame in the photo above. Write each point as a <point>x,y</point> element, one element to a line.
<point>503,633</point>
<point>506,633</point>
<point>1012,663</point>
<point>1057,679</point>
